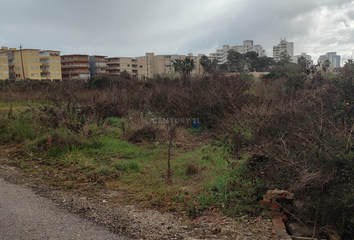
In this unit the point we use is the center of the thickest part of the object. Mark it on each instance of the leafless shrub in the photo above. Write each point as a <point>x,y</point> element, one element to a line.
<point>309,181</point>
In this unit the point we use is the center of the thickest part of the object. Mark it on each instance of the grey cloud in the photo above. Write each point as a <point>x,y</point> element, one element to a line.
<point>133,27</point>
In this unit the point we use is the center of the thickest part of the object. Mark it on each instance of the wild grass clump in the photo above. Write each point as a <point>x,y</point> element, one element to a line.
<point>126,165</point>
<point>18,127</point>
<point>192,168</point>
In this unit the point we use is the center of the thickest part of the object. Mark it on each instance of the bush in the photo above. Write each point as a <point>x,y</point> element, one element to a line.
<point>18,127</point>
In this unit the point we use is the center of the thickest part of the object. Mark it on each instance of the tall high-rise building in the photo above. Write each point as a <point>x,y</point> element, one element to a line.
<point>284,47</point>
<point>332,57</point>
<point>221,54</point>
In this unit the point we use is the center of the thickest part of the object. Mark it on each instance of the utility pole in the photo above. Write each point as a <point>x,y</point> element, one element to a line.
<point>23,70</point>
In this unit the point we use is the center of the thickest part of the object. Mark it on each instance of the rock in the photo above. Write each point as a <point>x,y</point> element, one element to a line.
<point>300,230</point>
<point>273,195</point>
<point>282,234</point>
<point>263,238</point>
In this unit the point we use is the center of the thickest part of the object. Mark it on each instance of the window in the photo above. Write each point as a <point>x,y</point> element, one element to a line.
<point>36,60</point>
<point>57,68</point>
<point>0,75</point>
<point>32,75</point>
<point>32,67</point>
<point>128,65</point>
<point>37,74</point>
<point>18,75</point>
<point>31,60</point>
<point>0,68</point>
<point>36,67</point>
<point>35,53</point>
<point>57,61</point>
<point>30,52</point>
<point>58,75</point>
<point>52,60</point>
<point>141,66</point>
<point>52,68</point>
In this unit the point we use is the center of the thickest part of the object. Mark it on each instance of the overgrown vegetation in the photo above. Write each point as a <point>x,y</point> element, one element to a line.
<point>292,130</point>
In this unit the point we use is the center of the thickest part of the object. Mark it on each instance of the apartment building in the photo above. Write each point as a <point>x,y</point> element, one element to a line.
<point>248,46</point>
<point>284,47</point>
<point>32,64</point>
<point>4,65</point>
<point>332,57</point>
<point>163,64</point>
<point>296,58</point>
<point>50,65</point>
<point>146,66</point>
<point>98,65</point>
<point>23,64</point>
<point>140,67</point>
<point>75,67</point>
<point>116,65</point>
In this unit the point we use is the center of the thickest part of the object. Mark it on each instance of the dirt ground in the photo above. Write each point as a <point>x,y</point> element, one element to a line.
<point>134,221</point>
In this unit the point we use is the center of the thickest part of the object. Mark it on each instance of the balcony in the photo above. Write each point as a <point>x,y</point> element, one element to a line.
<point>100,64</point>
<point>75,66</point>
<point>113,66</point>
<point>63,60</point>
<point>75,72</point>
<point>45,75</point>
<point>43,54</point>
<point>113,61</point>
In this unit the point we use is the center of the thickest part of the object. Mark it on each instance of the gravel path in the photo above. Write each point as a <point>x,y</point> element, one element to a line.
<point>32,211</point>
<point>25,215</point>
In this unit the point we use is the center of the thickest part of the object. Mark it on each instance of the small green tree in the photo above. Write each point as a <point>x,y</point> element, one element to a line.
<point>233,60</point>
<point>125,74</point>
<point>208,65</point>
<point>184,66</point>
<point>302,62</point>
<point>326,64</point>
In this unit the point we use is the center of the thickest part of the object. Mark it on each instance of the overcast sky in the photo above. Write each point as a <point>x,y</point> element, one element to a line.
<point>130,28</point>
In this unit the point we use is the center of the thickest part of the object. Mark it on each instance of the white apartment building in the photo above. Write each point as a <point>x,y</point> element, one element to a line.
<point>296,57</point>
<point>283,47</point>
<point>221,54</point>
